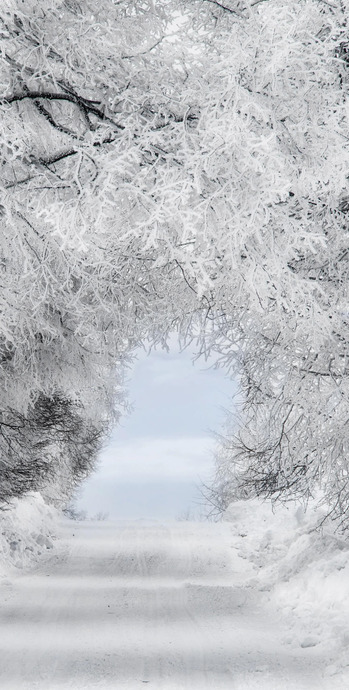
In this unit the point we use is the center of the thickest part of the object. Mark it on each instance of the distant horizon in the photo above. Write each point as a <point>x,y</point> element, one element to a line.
<point>160,453</point>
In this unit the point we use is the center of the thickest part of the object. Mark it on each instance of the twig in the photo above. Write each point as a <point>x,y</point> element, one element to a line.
<point>225,8</point>
<point>83,103</point>
<point>144,52</point>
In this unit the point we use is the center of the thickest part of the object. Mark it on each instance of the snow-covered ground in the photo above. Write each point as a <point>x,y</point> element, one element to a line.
<point>27,529</point>
<point>258,601</point>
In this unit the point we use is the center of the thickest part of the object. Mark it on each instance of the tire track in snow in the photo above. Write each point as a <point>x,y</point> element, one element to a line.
<point>129,606</point>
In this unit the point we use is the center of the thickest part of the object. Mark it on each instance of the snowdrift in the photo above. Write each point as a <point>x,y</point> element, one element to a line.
<point>27,531</point>
<point>302,568</point>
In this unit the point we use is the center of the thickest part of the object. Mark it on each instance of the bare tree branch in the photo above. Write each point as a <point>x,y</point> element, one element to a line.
<point>225,8</point>
<point>83,103</point>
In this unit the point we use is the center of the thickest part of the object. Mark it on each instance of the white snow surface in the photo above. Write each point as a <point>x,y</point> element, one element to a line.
<point>27,529</point>
<point>257,601</point>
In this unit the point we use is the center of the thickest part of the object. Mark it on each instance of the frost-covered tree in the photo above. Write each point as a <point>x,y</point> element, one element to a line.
<point>89,172</point>
<point>182,163</point>
<point>80,145</point>
<point>277,149</point>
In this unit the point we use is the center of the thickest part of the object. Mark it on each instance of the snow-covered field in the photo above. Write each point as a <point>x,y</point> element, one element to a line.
<point>258,601</point>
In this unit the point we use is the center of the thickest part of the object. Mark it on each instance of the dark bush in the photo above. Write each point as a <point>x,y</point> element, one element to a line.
<point>52,448</point>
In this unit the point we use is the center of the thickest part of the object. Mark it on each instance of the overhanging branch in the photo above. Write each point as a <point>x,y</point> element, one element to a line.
<point>84,104</point>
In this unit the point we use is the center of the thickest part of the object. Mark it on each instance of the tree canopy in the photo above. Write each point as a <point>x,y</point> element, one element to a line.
<point>181,164</point>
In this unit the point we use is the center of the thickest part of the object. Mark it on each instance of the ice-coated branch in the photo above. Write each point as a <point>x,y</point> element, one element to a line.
<point>84,104</point>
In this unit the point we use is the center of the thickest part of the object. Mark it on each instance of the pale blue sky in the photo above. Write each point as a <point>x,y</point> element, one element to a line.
<point>157,456</point>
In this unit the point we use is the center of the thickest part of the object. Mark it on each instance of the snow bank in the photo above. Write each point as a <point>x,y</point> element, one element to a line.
<point>27,527</point>
<point>304,572</point>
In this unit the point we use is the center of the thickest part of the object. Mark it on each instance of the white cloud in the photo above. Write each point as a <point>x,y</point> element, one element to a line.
<point>149,459</point>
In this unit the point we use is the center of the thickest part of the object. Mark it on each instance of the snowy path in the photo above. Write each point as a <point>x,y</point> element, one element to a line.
<point>146,605</point>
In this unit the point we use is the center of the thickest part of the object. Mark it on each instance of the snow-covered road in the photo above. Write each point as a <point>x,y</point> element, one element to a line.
<point>164,606</point>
